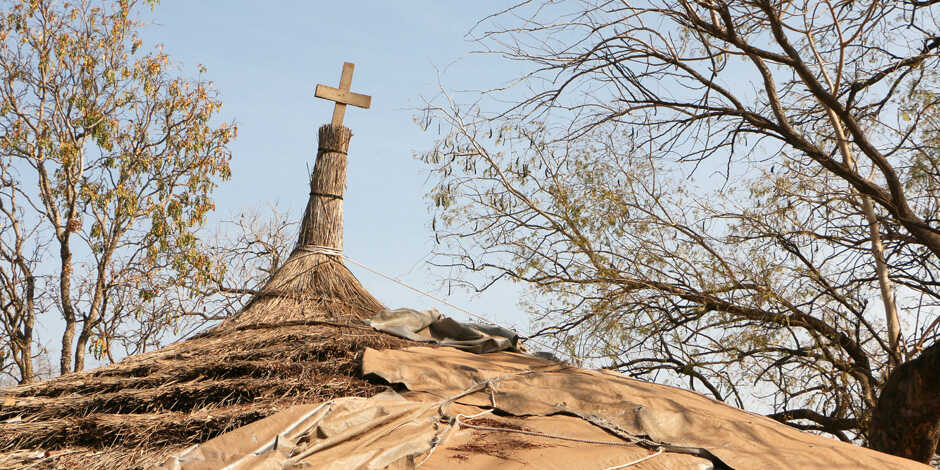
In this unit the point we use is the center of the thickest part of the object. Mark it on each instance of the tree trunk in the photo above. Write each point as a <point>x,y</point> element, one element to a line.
<point>95,311</point>
<point>885,284</point>
<point>23,342</point>
<point>81,346</point>
<point>906,420</point>
<point>65,360</point>
<point>877,251</point>
<point>65,299</point>
<point>22,348</point>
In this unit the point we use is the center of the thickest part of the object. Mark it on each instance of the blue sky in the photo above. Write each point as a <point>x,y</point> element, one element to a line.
<point>266,58</point>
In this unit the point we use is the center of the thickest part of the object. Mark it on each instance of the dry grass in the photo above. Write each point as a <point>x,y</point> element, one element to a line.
<point>308,285</point>
<point>188,392</point>
<point>82,458</point>
<point>300,341</point>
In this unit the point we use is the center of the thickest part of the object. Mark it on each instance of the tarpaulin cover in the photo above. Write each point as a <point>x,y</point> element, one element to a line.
<point>430,326</point>
<point>388,431</point>
<point>536,414</point>
<point>526,386</point>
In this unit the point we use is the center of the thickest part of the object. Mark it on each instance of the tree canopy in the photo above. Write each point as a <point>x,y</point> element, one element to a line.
<point>109,158</point>
<point>741,197</point>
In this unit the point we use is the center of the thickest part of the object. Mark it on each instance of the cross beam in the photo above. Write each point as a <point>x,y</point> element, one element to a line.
<point>342,96</point>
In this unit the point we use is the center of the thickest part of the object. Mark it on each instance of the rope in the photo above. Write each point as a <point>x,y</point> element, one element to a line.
<point>542,434</point>
<point>438,442</point>
<point>273,442</point>
<point>403,283</point>
<point>334,196</point>
<point>326,150</point>
<point>321,250</point>
<point>630,464</point>
<point>455,423</point>
<point>484,412</point>
<point>458,422</point>
<point>327,250</point>
<point>331,251</point>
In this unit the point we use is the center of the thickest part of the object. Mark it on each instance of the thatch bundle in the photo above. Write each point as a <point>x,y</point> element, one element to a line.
<point>299,340</point>
<point>314,282</point>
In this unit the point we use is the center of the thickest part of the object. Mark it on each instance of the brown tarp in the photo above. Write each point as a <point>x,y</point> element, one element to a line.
<point>388,431</point>
<point>525,386</point>
<point>510,410</point>
<point>429,326</point>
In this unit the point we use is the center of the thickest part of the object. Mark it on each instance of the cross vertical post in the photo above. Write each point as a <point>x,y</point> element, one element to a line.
<point>342,96</point>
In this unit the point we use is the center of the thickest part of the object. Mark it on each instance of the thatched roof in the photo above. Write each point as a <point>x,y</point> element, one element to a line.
<point>457,409</point>
<point>296,378</point>
<point>299,341</point>
<point>132,414</point>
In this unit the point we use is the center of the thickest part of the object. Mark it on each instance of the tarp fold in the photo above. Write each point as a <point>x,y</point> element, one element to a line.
<point>429,326</point>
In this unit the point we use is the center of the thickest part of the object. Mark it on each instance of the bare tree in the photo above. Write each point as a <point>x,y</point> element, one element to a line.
<point>20,289</point>
<point>148,310</point>
<point>251,247</point>
<point>812,129</point>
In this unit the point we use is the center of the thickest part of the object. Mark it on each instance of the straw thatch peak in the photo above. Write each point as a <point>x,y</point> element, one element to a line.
<point>314,284</point>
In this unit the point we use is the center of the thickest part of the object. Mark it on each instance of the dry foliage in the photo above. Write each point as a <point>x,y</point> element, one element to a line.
<point>717,194</point>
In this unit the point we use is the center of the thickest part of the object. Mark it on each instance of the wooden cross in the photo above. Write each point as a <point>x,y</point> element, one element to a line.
<point>342,96</point>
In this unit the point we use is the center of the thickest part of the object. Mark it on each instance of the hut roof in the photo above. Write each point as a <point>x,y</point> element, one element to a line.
<point>134,413</point>
<point>456,409</point>
<point>299,340</point>
<point>300,379</point>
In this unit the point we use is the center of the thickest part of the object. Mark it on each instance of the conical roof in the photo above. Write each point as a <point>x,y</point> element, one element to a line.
<point>299,340</point>
<point>314,283</point>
